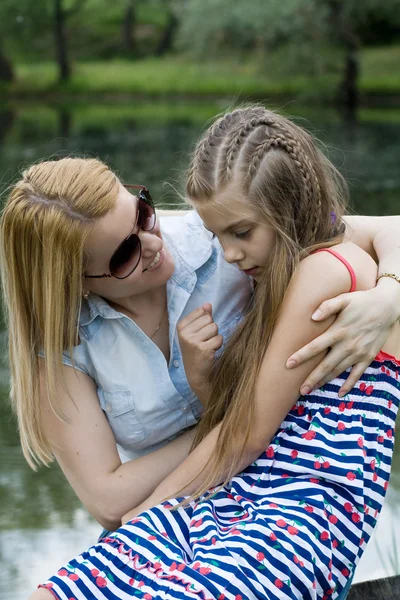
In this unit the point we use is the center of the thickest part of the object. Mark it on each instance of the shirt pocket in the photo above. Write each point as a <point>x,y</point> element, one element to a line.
<point>119,408</point>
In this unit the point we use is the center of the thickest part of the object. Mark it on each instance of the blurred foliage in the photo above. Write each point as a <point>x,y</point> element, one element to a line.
<point>209,25</point>
<point>314,36</point>
<point>95,27</point>
<point>263,40</point>
<point>206,26</point>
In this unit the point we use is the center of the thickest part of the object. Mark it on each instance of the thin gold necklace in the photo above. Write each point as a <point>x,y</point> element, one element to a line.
<point>160,323</point>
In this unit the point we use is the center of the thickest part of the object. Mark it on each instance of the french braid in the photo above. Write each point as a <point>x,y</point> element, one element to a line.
<point>205,155</point>
<point>285,141</point>
<point>234,142</point>
<point>206,158</point>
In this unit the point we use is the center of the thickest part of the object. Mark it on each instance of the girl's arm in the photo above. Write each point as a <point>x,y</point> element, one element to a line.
<point>319,277</point>
<point>85,449</point>
<point>364,319</point>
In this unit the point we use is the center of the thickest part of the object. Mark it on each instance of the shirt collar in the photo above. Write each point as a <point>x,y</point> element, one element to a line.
<point>190,252</point>
<point>95,306</point>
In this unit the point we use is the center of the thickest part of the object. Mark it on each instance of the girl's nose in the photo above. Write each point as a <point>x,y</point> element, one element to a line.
<point>233,255</point>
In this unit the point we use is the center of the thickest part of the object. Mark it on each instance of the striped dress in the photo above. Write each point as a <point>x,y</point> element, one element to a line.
<point>293,525</point>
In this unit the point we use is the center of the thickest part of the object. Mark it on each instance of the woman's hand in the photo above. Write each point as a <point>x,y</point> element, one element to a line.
<point>357,335</point>
<point>199,340</point>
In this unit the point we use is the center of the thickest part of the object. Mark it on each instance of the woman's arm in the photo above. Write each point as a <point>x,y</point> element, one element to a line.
<point>85,449</point>
<point>365,319</point>
<point>319,277</point>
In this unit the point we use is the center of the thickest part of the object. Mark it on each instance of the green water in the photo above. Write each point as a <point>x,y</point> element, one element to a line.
<point>42,523</point>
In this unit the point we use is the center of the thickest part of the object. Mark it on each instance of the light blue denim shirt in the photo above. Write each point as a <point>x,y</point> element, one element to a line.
<point>147,401</point>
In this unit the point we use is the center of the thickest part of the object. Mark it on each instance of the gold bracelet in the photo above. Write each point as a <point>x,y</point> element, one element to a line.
<point>392,275</point>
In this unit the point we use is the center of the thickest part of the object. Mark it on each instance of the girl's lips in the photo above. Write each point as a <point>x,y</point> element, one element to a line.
<point>160,262</point>
<point>251,271</point>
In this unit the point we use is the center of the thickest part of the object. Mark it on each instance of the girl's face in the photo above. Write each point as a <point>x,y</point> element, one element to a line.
<point>245,241</point>
<point>155,265</point>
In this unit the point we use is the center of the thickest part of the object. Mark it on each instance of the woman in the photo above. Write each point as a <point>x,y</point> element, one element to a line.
<point>91,282</point>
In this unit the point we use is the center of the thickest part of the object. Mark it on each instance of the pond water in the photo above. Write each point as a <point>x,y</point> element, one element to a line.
<point>42,523</point>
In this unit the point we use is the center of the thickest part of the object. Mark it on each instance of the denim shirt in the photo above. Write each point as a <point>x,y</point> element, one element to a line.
<point>148,402</point>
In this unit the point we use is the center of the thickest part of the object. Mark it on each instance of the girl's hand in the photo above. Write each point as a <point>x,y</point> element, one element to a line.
<point>357,335</point>
<point>199,340</point>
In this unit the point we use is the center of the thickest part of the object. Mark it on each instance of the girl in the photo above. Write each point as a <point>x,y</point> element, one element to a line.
<point>281,492</point>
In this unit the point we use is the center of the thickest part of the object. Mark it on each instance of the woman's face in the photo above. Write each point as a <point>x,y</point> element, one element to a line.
<point>105,238</point>
<point>245,241</point>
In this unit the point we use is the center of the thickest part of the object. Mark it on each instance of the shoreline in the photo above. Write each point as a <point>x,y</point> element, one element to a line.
<point>58,99</point>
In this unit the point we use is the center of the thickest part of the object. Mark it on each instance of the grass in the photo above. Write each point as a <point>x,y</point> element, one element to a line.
<point>177,76</point>
<point>380,70</point>
<point>154,77</point>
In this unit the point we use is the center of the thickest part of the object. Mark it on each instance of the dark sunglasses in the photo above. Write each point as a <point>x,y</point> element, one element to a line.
<point>128,254</point>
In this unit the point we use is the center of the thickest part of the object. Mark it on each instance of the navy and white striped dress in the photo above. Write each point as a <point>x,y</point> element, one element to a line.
<point>294,524</point>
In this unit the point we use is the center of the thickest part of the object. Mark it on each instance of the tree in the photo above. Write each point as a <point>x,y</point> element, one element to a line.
<point>11,24</point>
<point>6,68</point>
<point>167,39</point>
<point>61,16</point>
<point>128,26</point>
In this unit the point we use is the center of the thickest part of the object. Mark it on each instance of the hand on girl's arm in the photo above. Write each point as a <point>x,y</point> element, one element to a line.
<point>277,389</point>
<point>364,319</point>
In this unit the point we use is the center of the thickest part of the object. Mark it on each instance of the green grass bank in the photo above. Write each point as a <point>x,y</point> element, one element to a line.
<point>176,76</point>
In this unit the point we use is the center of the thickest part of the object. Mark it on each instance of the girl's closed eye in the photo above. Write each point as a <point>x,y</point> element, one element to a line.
<point>242,235</point>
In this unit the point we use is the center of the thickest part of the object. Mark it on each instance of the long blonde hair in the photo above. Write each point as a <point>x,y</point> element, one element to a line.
<point>45,223</point>
<point>293,187</point>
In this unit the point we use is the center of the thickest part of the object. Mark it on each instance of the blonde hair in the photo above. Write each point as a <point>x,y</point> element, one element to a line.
<point>44,226</point>
<point>279,170</point>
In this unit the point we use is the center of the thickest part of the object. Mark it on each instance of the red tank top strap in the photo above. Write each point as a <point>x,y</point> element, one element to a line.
<point>346,264</point>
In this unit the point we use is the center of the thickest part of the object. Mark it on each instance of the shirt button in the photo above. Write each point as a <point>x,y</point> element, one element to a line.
<point>108,407</point>
<point>184,408</point>
<point>176,363</point>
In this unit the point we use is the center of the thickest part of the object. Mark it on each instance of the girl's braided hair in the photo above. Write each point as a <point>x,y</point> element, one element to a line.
<point>277,164</point>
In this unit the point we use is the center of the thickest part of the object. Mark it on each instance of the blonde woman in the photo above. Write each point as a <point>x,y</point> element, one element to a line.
<point>93,291</point>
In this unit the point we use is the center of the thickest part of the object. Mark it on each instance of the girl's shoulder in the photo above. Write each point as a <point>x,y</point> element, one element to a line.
<point>356,265</point>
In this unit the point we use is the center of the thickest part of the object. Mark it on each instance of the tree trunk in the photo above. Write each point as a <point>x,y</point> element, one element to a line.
<point>60,33</point>
<point>168,36</point>
<point>346,36</point>
<point>128,28</point>
<point>349,84</point>
<point>6,68</point>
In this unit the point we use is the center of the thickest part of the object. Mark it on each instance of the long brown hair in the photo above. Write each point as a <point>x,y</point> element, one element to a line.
<point>282,174</point>
<point>44,226</point>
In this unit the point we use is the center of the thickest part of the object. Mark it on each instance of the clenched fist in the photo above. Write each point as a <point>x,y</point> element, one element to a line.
<point>199,340</point>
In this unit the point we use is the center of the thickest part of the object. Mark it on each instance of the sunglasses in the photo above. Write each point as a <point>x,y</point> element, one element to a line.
<point>128,254</point>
